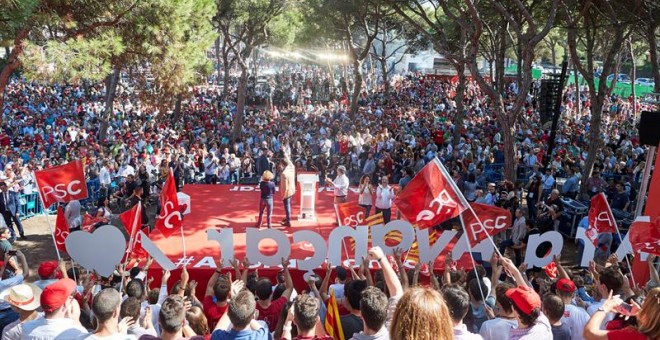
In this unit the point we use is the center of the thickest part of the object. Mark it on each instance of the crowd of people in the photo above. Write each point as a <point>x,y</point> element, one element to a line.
<point>379,150</point>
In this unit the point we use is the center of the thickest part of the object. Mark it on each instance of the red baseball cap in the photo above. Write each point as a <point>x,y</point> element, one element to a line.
<point>55,295</point>
<point>525,298</point>
<point>46,269</point>
<point>566,285</point>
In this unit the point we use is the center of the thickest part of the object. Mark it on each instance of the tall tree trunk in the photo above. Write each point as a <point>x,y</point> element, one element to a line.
<point>386,76</point>
<point>357,87</point>
<point>110,90</point>
<point>237,128</point>
<point>499,60</point>
<point>225,78</point>
<point>653,52</point>
<point>578,103</point>
<point>634,78</point>
<point>12,64</point>
<point>460,107</point>
<point>218,60</point>
<point>595,142</point>
<point>176,114</point>
<point>508,131</point>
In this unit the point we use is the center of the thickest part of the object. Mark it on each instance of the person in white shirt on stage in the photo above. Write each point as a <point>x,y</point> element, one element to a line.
<point>384,196</point>
<point>340,185</point>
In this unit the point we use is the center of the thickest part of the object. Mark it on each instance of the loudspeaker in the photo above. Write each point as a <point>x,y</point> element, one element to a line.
<point>649,124</point>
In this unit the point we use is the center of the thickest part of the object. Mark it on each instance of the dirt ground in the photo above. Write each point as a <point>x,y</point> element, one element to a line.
<point>39,245</point>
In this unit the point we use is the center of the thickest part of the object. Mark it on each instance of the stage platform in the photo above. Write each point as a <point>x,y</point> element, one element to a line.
<point>236,207</point>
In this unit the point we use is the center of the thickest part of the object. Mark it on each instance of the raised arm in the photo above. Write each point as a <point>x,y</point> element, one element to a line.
<point>511,269</point>
<point>496,273</point>
<point>434,279</point>
<point>326,282</point>
<point>393,284</point>
<point>415,278</point>
<point>403,277</point>
<point>213,280</point>
<point>560,269</point>
<point>184,282</point>
<point>366,273</point>
<point>288,282</point>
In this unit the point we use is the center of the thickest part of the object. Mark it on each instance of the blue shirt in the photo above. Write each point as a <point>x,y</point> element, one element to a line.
<point>246,334</point>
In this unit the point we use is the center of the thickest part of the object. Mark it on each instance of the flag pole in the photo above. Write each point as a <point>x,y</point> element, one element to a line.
<point>474,264</point>
<point>464,202</point>
<point>50,226</point>
<point>183,240</point>
<point>616,227</point>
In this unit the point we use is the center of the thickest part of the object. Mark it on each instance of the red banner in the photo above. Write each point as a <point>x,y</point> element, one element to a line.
<point>494,220</point>
<point>645,235</point>
<point>132,220</point>
<point>601,219</point>
<point>139,252</point>
<point>350,214</point>
<point>61,229</point>
<point>89,222</point>
<point>431,197</point>
<point>169,219</point>
<point>62,183</point>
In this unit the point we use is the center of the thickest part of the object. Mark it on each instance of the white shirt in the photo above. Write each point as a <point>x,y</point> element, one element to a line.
<point>576,319</point>
<point>104,176</point>
<point>51,329</point>
<point>338,288</point>
<point>43,283</point>
<point>341,185</point>
<point>91,336</point>
<point>497,329</point>
<point>384,197</point>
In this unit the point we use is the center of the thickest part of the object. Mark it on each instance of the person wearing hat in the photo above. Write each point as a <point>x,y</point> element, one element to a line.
<point>267,188</point>
<point>49,272</point>
<point>340,184</point>
<point>526,303</point>
<point>574,317</point>
<point>7,314</point>
<point>24,300</point>
<point>61,314</point>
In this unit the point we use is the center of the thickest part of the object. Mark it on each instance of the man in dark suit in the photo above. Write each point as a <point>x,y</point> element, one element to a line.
<point>9,208</point>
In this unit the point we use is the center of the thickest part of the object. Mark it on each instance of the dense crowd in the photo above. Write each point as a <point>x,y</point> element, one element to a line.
<point>392,136</point>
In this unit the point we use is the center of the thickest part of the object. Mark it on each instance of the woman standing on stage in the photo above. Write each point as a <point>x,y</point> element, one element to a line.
<point>384,196</point>
<point>365,195</point>
<point>267,188</point>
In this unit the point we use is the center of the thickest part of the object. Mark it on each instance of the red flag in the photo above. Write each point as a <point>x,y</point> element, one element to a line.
<point>89,222</point>
<point>350,214</point>
<point>601,219</point>
<point>62,183</point>
<point>494,220</point>
<point>551,270</point>
<point>139,252</point>
<point>465,262</point>
<point>61,229</point>
<point>645,235</point>
<point>169,219</point>
<point>431,197</point>
<point>332,322</point>
<point>132,220</point>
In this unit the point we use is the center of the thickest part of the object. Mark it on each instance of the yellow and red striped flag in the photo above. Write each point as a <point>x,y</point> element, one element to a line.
<point>413,252</point>
<point>391,239</point>
<point>332,322</point>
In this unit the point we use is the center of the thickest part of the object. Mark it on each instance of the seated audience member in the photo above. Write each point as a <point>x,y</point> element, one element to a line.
<point>24,300</point>
<point>553,308</point>
<point>61,314</point>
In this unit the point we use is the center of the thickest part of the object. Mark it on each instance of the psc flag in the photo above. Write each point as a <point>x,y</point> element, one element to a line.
<point>169,219</point>
<point>332,322</point>
<point>132,220</point>
<point>645,235</point>
<point>601,219</point>
<point>61,229</point>
<point>350,214</point>
<point>431,197</point>
<point>494,220</point>
<point>63,183</point>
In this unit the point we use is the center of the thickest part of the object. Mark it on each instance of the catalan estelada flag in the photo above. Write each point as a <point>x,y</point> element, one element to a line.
<point>332,321</point>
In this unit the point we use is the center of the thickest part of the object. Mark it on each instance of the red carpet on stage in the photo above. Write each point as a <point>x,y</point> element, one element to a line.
<point>228,206</point>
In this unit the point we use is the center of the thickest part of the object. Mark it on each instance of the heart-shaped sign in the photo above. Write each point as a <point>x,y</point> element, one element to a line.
<point>100,251</point>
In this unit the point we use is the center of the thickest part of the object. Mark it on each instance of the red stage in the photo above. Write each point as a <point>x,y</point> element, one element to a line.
<point>223,206</point>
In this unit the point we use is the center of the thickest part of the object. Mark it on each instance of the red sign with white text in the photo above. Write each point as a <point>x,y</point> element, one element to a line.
<point>350,214</point>
<point>494,220</point>
<point>431,197</point>
<point>62,183</point>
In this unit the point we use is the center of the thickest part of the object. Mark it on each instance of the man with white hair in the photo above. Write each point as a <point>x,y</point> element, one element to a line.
<point>340,184</point>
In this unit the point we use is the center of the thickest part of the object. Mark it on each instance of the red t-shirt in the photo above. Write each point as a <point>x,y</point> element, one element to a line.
<point>626,333</point>
<point>271,314</point>
<point>212,311</point>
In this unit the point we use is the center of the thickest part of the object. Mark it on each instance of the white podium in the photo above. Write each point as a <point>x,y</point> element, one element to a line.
<point>307,181</point>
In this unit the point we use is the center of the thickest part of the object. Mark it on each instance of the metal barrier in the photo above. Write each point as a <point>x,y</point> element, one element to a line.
<point>30,205</point>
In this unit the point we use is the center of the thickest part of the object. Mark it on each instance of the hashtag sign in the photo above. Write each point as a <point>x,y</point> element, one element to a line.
<point>184,261</point>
